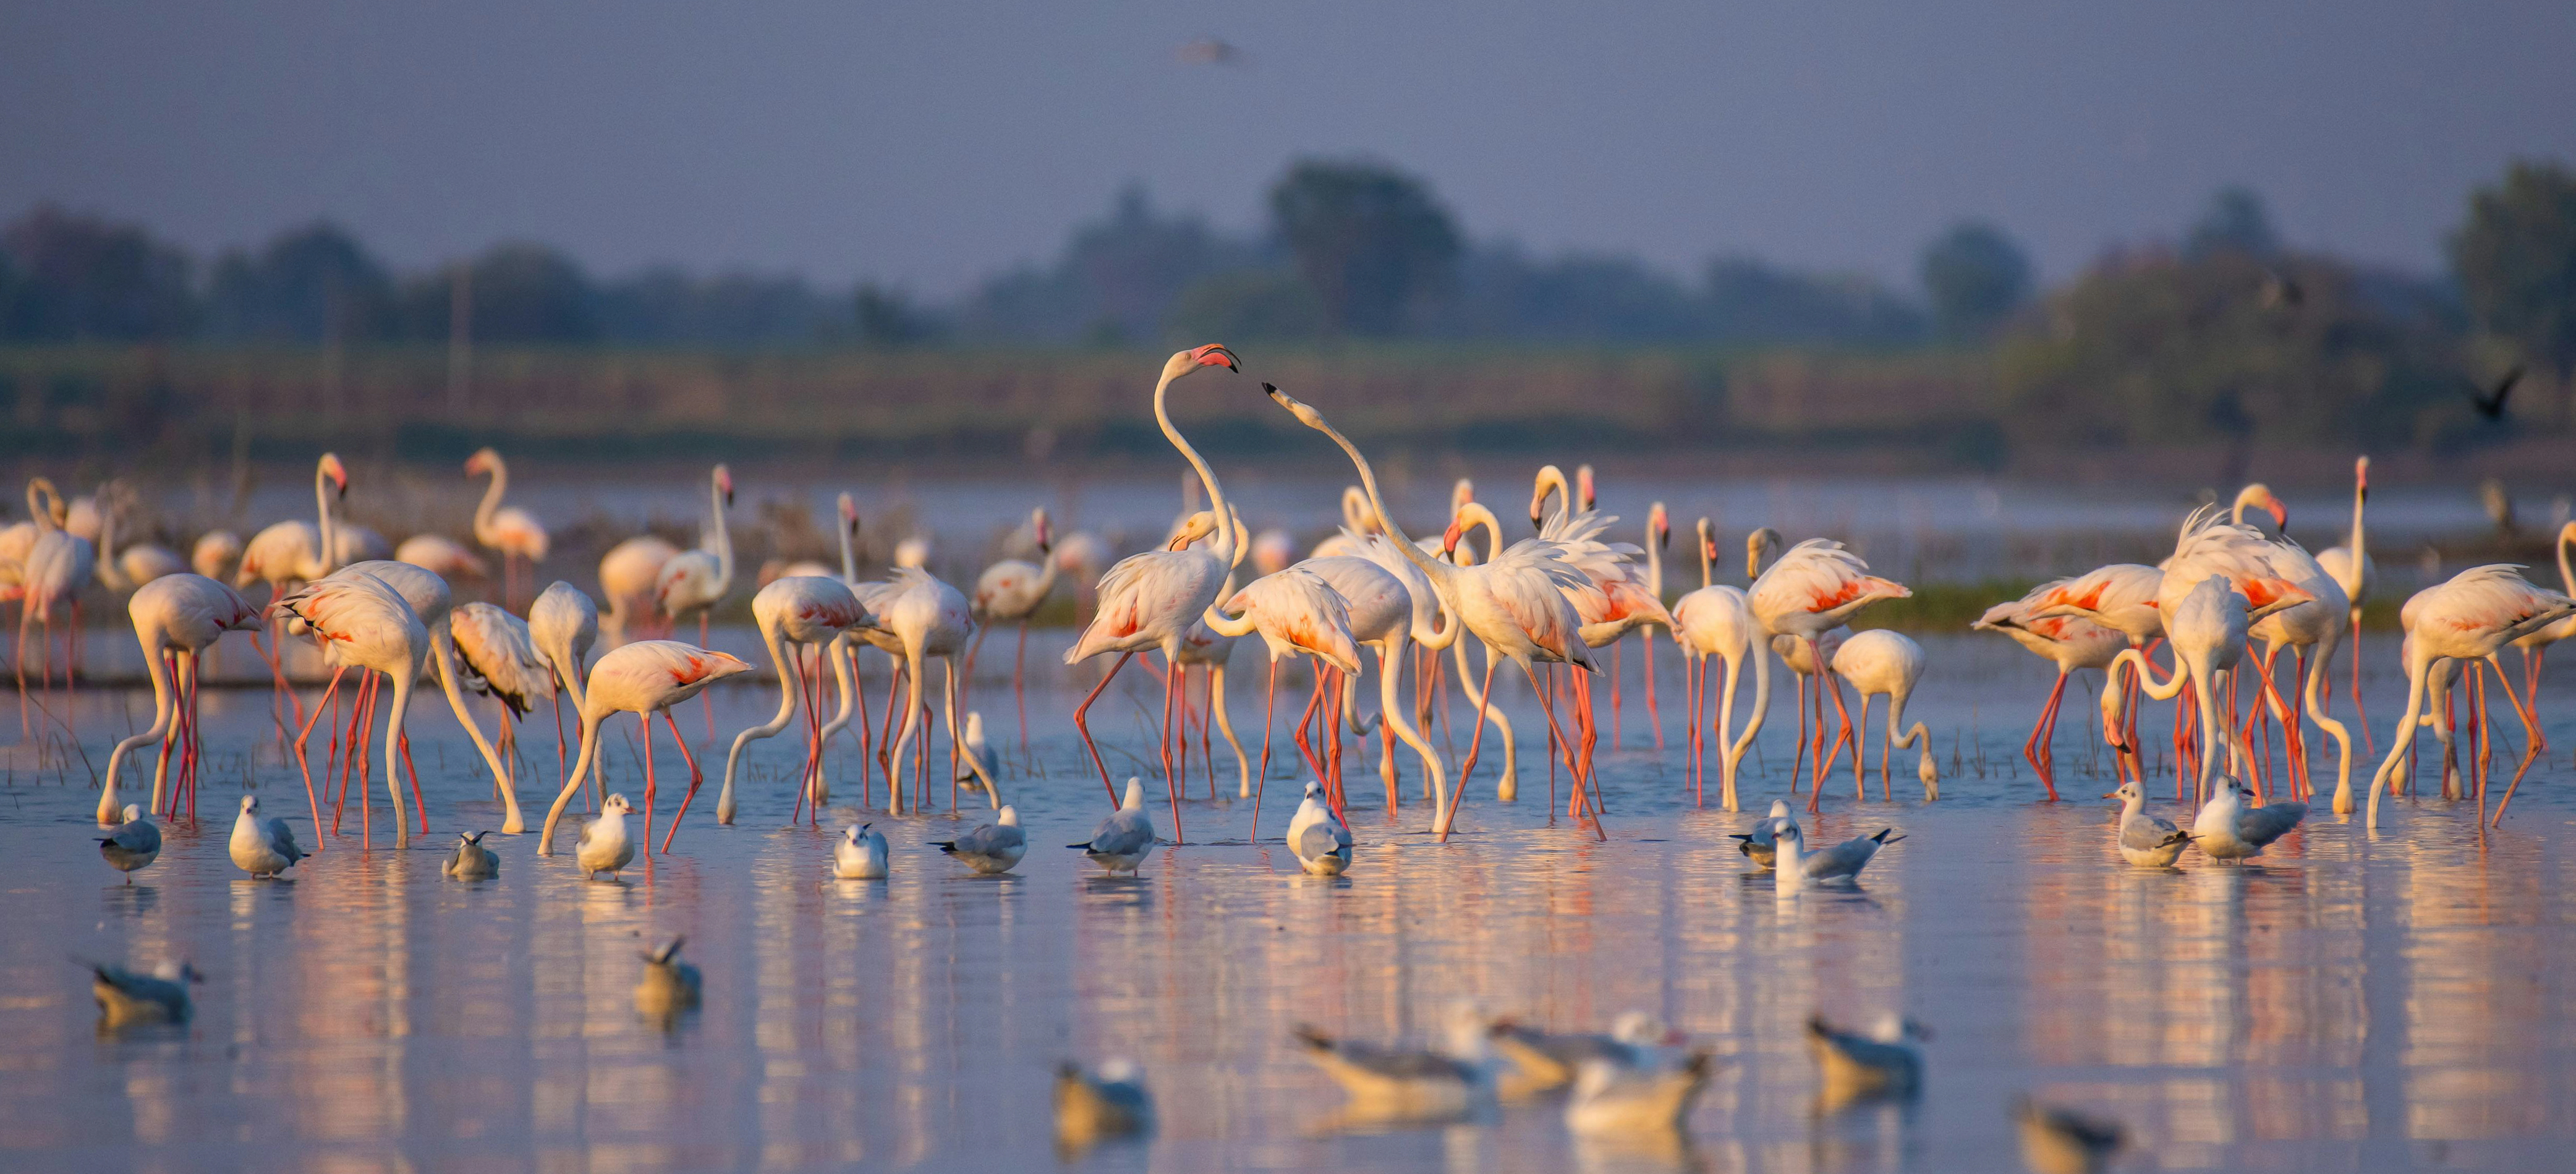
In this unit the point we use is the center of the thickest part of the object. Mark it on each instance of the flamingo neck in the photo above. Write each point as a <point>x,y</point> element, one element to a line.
<point>849,561</point>
<point>724,540</point>
<point>491,502</point>
<point>1216,496</point>
<point>1707,565</point>
<point>2566,576</point>
<point>327,558</point>
<point>1654,562</point>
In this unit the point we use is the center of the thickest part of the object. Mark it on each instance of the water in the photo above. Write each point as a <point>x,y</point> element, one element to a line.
<point>2347,1001</point>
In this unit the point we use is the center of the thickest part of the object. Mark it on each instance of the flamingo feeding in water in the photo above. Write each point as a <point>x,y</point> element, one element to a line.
<point>512,531</point>
<point>645,678</point>
<point>1812,590</point>
<point>2069,642</point>
<point>1151,600</point>
<point>563,623</point>
<point>794,613</point>
<point>1885,663</point>
<point>366,624</point>
<point>2469,618</point>
<point>176,618</point>
<point>1717,621</point>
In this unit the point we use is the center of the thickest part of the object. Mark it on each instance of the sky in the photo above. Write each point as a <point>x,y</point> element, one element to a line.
<point>928,145</point>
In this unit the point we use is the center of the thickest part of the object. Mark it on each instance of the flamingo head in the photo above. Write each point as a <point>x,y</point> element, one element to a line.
<point>1199,525</point>
<point>1661,525</point>
<point>1550,480</point>
<point>850,515</point>
<point>2361,476</point>
<point>1707,540</point>
<point>1046,535</point>
<point>724,484</point>
<point>1296,407</point>
<point>338,474</point>
<point>2260,495</point>
<point>483,461</point>
<point>1583,486</point>
<point>1449,538</point>
<point>1211,355</point>
<point>1461,493</point>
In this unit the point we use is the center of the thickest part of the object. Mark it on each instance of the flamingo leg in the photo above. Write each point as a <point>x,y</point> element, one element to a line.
<point>1079,724</point>
<point>1824,684</point>
<point>412,773</point>
<point>1799,763</point>
<point>2532,744</point>
<point>1171,779</point>
<point>695,777</point>
<point>646,719</point>
<point>1547,705</point>
<point>329,698</point>
<point>2043,736</point>
<point>1019,695</point>
<point>1618,721</point>
<point>1269,707</point>
<point>1306,749</point>
<point>1484,697</point>
<point>2369,741</point>
<point>1654,712</point>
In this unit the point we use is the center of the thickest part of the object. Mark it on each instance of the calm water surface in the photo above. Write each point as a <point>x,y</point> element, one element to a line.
<point>2347,1002</point>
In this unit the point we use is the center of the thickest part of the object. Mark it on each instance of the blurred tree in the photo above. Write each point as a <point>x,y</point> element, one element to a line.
<point>1504,293</point>
<point>2515,258</point>
<point>1975,276</point>
<point>1750,300</point>
<point>308,284</point>
<point>887,318</point>
<point>80,277</point>
<point>1115,280</point>
<point>666,304</point>
<point>521,293</point>
<point>1370,242</point>
<point>2235,219</point>
<point>1246,305</point>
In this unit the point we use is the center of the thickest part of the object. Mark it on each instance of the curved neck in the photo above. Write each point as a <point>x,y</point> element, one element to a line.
<point>1707,564</point>
<point>2359,495</point>
<point>1551,480</point>
<point>1438,571</point>
<point>1654,559</point>
<point>491,501</point>
<point>38,511</point>
<point>2566,577</point>
<point>849,561</point>
<point>724,541</point>
<point>1224,550</point>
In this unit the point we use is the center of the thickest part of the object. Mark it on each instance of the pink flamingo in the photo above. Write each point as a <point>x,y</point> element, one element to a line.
<point>1150,600</point>
<point>367,624</point>
<point>291,552</point>
<point>59,563</point>
<point>1889,664</point>
<point>506,528</point>
<point>176,617</point>
<point>1297,613</point>
<point>645,678</point>
<point>2536,645</point>
<point>2070,642</point>
<point>563,623</point>
<point>1812,590</point>
<point>627,576</point>
<point>1715,620</point>
<point>496,655</point>
<point>2469,618</point>
<point>1514,603</point>
<point>1011,591</point>
<point>2351,566</point>
<point>695,581</point>
<point>794,613</point>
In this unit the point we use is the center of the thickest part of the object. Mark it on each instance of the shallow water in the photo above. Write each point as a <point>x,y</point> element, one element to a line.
<point>2347,1001</point>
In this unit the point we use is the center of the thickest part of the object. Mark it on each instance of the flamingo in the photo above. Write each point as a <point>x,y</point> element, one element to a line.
<point>506,528</point>
<point>59,563</point>
<point>366,623</point>
<point>1011,591</point>
<point>1614,598</point>
<point>2318,624</point>
<point>693,582</point>
<point>292,552</point>
<point>563,623</point>
<point>1760,547</point>
<point>442,556</point>
<point>793,613</point>
<point>1659,537</point>
<point>645,678</point>
<point>1385,613</point>
<point>627,577</point>
<point>2207,627</point>
<point>1297,613</point>
<point>2478,611</point>
<point>176,617</point>
<point>1357,518</point>
<point>432,602</point>
<point>1881,662</point>
<point>1272,550</point>
<point>496,654</point>
<point>1150,600</point>
<point>2536,645</point>
<point>1204,648</point>
<point>1515,603</point>
<point>2071,642</point>
<point>1506,786</point>
<point>928,618</point>
<point>2352,568</point>
<point>1716,621</point>
<point>1812,590</point>
<point>1084,556</point>
<point>215,553</point>
<point>122,569</point>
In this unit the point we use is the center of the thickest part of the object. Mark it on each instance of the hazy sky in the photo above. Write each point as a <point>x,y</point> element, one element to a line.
<point>930,143</point>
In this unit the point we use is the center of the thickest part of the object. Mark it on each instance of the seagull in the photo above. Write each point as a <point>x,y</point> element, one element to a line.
<point>861,854</point>
<point>262,847</point>
<point>1109,1102</point>
<point>1544,1061</point>
<point>1759,843</point>
<point>471,860</point>
<point>1874,1065</point>
<point>1318,836</point>
<point>2229,830</point>
<point>134,844</point>
<point>126,998</point>
<point>604,846</point>
<point>2061,1141</point>
<point>1841,862</point>
<point>1617,1098</point>
<point>669,986</point>
<point>994,847</point>
<point>1121,841</point>
<point>1393,1082</point>
<point>2148,841</point>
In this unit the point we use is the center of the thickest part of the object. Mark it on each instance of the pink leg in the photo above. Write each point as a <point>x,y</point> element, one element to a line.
<point>695,777</point>
<point>1085,728</point>
<point>647,721</point>
<point>1458,794</point>
<point>1261,784</point>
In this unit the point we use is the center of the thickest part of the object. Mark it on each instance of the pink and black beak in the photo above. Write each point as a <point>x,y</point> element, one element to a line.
<point>1449,539</point>
<point>724,482</point>
<point>1583,486</point>
<point>1215,355</point>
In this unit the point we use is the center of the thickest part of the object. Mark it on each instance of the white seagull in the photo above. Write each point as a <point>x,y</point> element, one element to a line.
<point>126,997</point>
<point>1842,862</point>
<point>669,986</point>
<point>2146,840</point>
<point>1111,1101</point>
<point>860,854</point>
<point>471,860</point>
<point>1410,1083</point>
<point>1123,840</point>
<point>1761,844</point>
<point>134,844</point>
<point>2229,830</point>
<point>262,847</point>
<point>604,844</point>
<point>993,848</point>
<point>1611,1098</point>
<point>1878,1064</point>
<point>1318,836</point>
<point>1544,1061</point>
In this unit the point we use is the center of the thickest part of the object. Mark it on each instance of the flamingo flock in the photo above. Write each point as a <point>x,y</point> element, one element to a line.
<point>1557,604</point>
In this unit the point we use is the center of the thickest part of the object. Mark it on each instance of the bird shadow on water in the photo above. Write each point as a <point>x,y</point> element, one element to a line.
<point>1120,892</point>
<point>130,899</point>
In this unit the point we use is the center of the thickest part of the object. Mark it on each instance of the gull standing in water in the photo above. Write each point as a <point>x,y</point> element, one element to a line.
<point>1880,1064</point>
<point>1386,1083</point>
<point>1762,843</point>
<point>1612,1098</point>
<point>134,844</point>
<point>1111,1101</point>
<point>1122,841</point>
<point>1318,836</point>
<point>2145,840</point>
<point>1842,862</point>
<point>1545,1061</point>
<point>995,847</point>
<point>262,847</point>
<point>471,860</point>
<point>126,998</point>
<point>669,986</point>
<point>2229,830</point>
<point>605,846</point>
<point>861,854</point>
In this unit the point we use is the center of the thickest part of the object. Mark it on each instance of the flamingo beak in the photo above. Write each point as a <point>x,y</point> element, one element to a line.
<point>2280,513</point>
<point>1449,538</point>
<point>1215,355</point>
